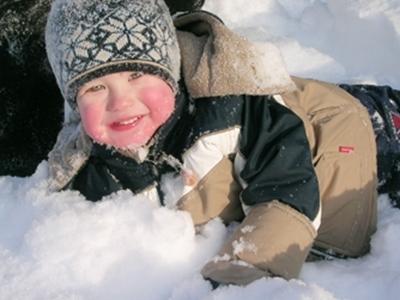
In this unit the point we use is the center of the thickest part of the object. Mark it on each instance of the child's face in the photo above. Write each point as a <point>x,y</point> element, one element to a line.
<point>124,110</point>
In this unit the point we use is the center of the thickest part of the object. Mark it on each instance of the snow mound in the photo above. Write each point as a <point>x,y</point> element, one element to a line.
<point>59,246</point>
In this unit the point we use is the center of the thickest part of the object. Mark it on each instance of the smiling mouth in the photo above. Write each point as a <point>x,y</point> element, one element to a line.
<point>126,124</point>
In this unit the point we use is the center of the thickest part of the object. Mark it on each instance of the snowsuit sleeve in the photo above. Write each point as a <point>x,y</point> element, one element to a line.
<point>275,158</point>
<point>280,194</point>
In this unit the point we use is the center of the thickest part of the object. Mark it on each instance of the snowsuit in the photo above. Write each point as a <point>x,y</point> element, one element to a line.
<point>293,160</point>
<point>382,103</point>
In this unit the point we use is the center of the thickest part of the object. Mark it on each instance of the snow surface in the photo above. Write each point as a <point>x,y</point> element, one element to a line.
<point>59,246</point>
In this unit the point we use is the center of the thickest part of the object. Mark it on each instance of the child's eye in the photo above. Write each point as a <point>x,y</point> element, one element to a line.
<point>135,75</point>
<point>94,88</point>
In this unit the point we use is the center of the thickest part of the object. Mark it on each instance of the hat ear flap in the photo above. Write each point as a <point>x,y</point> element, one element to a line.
<point>183,5</point>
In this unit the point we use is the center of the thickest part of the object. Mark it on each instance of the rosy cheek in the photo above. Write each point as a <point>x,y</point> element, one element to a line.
<point>91,119</point>
<point>164,109</point>
<point>160,101</point>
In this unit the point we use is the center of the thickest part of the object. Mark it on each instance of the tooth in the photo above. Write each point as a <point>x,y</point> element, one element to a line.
<point>129,121</point>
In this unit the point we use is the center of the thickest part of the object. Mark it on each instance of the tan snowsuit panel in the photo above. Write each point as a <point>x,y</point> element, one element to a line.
<point>344,155</point>
<point>216,195</point>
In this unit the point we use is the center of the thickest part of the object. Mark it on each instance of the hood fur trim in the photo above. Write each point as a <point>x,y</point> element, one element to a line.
<point>71,151</point>
<point>218,62</point>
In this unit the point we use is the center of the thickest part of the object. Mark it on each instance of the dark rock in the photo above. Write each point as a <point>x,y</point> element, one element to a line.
<point>30,102</point>
<point>183,5</point>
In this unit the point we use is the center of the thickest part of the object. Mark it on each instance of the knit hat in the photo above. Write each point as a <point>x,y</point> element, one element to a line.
<point>86,39</point>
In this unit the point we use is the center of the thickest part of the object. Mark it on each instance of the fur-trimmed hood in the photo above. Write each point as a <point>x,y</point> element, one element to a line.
<point>215,62</point>
<point>218,62</point>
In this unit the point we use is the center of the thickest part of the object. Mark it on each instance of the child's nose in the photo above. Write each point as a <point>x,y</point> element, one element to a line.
<point>118,100</point>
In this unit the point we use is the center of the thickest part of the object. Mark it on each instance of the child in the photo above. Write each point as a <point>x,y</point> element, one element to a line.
<point>31,104</point>
<point>286,157</point>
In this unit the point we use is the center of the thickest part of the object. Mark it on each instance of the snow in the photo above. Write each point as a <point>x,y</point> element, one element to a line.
<point>59,246</point>
<point>335,40</point>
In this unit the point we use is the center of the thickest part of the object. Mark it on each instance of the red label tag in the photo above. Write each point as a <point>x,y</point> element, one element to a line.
<point>396,123</point>
<point>346,149</point>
